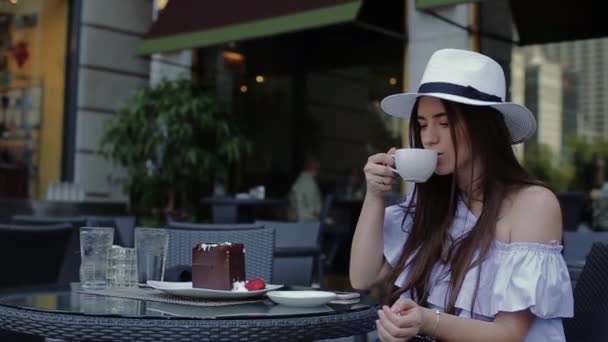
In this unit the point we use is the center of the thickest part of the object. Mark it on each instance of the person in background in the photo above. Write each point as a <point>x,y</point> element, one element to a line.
<point>305,196</point>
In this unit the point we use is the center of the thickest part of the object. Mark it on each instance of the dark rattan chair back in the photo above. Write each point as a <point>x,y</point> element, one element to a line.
<point>259,246</point>
<point>212,226</point>
<point>32,255</point>
<point>297,252</point>
<point>590,322</point>
<point>75,221</point>
<point>70,270</point>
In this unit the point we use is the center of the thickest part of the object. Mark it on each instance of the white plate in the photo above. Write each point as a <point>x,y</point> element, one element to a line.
<point>301,298</point>
<point>185,289</point>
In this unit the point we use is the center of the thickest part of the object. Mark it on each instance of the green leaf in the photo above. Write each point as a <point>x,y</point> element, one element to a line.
<point>185,124</point>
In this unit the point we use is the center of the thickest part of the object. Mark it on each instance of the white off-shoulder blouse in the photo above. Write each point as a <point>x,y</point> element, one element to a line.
<point>514,277</point>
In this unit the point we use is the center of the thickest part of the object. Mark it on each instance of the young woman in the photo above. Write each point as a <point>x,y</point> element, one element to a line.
<point>473,254</point>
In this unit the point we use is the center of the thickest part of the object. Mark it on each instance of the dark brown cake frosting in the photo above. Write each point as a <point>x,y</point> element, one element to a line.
<point>218,265</point>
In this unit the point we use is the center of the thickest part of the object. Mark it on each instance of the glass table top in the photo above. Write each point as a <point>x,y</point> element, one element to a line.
<point>71,300</point>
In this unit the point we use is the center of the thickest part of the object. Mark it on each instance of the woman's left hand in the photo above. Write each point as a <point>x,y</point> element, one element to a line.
<point>400,322</point>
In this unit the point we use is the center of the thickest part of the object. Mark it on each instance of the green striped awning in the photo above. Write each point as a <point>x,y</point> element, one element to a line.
<point>186,24</point>
<point>437,3</point>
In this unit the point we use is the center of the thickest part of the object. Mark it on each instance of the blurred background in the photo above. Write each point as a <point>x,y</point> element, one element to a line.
<point>160,109</point>
<point>185,113</point>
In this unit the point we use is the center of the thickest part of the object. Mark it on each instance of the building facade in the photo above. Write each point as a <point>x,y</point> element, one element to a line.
<point>585,61</point>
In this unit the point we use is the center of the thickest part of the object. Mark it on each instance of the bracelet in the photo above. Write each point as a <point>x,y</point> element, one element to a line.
<point>437,314</point>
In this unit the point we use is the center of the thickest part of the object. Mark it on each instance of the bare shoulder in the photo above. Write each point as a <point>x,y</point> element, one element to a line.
<point>535,215</point>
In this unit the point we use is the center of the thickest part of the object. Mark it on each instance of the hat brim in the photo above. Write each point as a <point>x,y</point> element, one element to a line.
<point>519,120</point>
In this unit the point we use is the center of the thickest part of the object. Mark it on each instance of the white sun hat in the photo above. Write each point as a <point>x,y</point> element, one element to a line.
<point>466,77</point>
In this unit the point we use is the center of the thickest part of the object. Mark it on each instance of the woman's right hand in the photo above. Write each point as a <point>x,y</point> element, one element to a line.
<point>379,177</point>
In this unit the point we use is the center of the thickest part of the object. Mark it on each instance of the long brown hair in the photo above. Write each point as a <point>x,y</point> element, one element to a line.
<point>433,204</point>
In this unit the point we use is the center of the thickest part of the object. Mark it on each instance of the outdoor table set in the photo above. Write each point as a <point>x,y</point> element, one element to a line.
<point>143,314</point>
<point>121,296</point>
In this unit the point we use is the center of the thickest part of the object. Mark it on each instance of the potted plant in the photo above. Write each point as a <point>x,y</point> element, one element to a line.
<point>171,138</point>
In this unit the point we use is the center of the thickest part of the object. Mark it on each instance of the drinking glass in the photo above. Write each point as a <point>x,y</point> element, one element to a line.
<point>151,245</point>
<point>122,267</point>
<point>95,244</point>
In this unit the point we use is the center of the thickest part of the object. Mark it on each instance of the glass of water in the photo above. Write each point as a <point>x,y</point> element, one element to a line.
<point>122,267</point>
<point>95,244</point>
<point>151,245</point>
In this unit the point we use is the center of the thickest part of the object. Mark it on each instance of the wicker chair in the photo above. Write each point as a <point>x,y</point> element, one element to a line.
<point>577,245</point>
<point>32,255</point>
<point>258,240</point>
<point>212,226</point>
<point>297,255</point>
<point>71,266</point>
<point>75,221</point>
<point>590,322</point>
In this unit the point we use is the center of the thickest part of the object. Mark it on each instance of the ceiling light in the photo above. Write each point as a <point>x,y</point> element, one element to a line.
<point>232,57</point>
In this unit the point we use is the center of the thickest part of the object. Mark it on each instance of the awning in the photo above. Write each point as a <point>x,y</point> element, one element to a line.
<point>540,22</point>
<point>438,3</point>
<point>185,24</point>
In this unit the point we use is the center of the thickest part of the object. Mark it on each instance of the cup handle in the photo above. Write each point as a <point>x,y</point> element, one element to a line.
<point>391,168</point>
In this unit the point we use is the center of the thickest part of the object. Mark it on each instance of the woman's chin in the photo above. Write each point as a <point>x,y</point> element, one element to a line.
<point>443,171</point>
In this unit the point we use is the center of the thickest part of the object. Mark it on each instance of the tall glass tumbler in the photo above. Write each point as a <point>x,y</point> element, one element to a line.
<point>151,245</point>
<point>95,244</point>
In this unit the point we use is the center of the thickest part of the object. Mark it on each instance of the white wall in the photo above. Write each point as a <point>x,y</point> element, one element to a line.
<point>109,70</point>
<point>426,34</point>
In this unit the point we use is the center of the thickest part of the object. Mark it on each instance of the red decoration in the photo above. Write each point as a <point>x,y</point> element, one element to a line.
<point>20,53</point>
<point>255,284</point>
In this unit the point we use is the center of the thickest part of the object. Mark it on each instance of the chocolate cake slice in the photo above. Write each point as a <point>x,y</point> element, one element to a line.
<point>218,266</point>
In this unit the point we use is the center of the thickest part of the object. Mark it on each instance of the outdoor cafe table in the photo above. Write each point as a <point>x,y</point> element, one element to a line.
<point>75,316</point>
<point>227,209</point>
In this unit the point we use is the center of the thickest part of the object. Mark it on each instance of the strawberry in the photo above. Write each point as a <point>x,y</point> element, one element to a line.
<point>255,284</point>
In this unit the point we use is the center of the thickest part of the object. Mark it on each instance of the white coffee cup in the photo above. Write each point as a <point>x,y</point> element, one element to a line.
<point>415,164</point>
